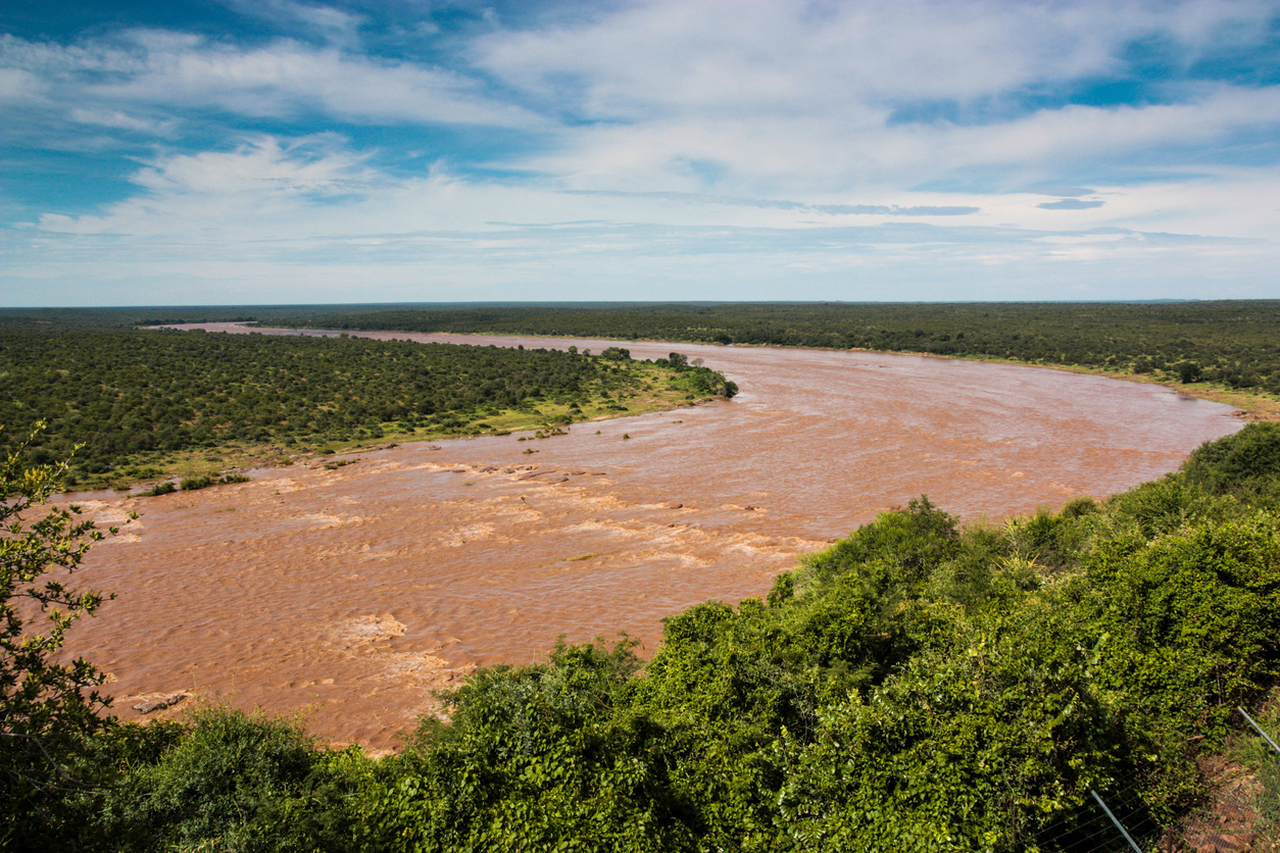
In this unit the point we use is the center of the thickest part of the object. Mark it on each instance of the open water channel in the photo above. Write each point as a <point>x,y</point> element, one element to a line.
<point>350,594</point>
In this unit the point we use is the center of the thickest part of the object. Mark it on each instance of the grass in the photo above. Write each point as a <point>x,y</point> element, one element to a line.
<point>1256,754</point>
<point>546,418</point>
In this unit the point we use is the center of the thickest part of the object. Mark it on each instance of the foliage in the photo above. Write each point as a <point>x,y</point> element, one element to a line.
<point>229,781</point>
<point>1246,465</point>
<point>1259,756</point>
<point>536,758</point>
<point>191,484</point>
<point>47,705</point>
<point>1228,342</point>
<point>131,396</point>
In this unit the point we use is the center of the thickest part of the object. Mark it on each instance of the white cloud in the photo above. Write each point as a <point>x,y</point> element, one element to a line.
<point>696,148</point>
<point>122,121</point>
<point>287,77</point>
<point>333,25</point>
<point>857,157</point>
<point>284,78</point>
<point>316,188</point>
<point>260,190</point>
<point>770,97</point>
<point>1076,134</point>
<point>302,201</point>
<point>17,84</point>
<point>669,56</point>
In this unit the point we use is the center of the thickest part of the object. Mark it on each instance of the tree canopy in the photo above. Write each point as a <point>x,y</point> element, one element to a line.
<point>132,398</point>
<point>48,704</point>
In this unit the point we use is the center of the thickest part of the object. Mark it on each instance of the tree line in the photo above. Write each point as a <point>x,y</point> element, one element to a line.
<point>919,685</point>
<point>132,396</point>
<point>1233,343</point>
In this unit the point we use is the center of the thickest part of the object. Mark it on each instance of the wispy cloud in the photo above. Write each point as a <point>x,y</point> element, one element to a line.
<point>1065,192</point>
<point>798,206</point>
<point>329,24</point>
<point>1070,204</point>
<point>285,78</point>
<point>122,121</point>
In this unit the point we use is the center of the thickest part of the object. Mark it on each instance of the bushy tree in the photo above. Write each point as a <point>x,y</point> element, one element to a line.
<point>48,705</point>
<point>226,780</point>
<point>1246,464</point>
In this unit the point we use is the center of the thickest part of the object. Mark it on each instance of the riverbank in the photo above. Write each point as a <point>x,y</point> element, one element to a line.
<point>919,680</point>
<point>1250,406</point>
<point>547,421</point>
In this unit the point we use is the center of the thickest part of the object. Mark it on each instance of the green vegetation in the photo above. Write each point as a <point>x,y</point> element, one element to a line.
<point>1233,344</point>
<point>920,685</point>
<point>147,404</point>
<point>191,484</point>
<point>48,705</point>
<point>1253,752</point>
<point>265,401</point>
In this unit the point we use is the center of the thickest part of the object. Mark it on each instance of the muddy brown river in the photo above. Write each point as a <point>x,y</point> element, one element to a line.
<point>350,595</point>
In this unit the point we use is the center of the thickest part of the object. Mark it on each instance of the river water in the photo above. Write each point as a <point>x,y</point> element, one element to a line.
<point>350,594</point>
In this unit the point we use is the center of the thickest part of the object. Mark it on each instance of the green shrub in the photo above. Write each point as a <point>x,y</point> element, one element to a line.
<point>1246,464</point>
<point>232,782</point>
<point>535,758</point>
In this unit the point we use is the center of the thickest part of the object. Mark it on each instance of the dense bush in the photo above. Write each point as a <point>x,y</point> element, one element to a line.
<point>234,782</point>
<point>1246,465</point>
<point>137,395</point>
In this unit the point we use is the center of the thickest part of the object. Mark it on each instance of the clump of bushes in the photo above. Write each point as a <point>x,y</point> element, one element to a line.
<point>191,484</point>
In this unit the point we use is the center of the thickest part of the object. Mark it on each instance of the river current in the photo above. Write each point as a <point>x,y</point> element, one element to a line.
<point>350,594</point>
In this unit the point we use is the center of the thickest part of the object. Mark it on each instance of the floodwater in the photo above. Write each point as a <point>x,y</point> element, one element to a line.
<point>350,594</point>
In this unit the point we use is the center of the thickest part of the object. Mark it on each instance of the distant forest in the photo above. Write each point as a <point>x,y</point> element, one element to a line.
<point>134,397</point>
<point>129,395</point>
<point>1232,343</point>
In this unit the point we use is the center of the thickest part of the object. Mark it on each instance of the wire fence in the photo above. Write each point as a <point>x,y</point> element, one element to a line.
<point>1116,820</point>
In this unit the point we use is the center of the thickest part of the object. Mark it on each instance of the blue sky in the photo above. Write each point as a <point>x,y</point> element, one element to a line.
<point>273,151</point>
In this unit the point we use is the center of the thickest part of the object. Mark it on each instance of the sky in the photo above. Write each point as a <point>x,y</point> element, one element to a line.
<point>283,152</point>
